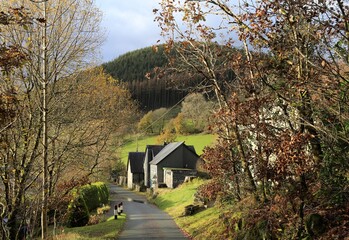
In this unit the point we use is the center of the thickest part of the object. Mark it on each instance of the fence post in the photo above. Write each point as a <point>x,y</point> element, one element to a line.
<point>116,211</point>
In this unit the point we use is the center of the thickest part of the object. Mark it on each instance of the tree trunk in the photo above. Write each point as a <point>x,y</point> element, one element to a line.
<point>308,125</point>
<point>44,127</point>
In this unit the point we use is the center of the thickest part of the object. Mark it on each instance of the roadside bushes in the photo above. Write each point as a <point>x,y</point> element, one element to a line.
<point>78,214</point>
<point>86,199</point>
<point>94,195</point>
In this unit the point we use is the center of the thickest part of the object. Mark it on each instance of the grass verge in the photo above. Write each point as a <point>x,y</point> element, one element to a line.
<point>107,230</point>
<point>203,225</point>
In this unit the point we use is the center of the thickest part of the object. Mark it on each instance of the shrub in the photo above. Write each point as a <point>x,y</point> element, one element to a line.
<point>103,192</point>
<point>78,214</point>
<point>179,124</point>
<point>89,194</point>
<point>86,199</point>
<point>315,224</point>
<point>95,195</point>
<point>103,210</point>
<point>95,219</point>
<point>169,133</point>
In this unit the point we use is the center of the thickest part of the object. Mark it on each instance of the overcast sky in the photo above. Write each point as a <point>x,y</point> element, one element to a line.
<point>129,25</point>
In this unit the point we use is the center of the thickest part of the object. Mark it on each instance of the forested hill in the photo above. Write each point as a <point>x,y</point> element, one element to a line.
<point>151,92</point>
<point>134,65</point>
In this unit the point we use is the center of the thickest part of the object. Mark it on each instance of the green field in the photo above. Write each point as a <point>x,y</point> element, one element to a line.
<point>133,144</point>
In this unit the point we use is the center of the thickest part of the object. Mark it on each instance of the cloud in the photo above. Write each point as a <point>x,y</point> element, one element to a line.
<point>129,25</point>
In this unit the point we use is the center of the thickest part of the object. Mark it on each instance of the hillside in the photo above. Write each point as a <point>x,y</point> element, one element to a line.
<point>134,65</point>
<point>199,141</point>
<point>146,73</point>
<point>141,71</point>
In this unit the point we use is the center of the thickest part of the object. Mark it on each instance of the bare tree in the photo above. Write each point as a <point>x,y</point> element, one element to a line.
<point>69,37</point>
<point>83,127</point>
<point>285,113</point>
<point>196,109</point>
<point>194,42</point>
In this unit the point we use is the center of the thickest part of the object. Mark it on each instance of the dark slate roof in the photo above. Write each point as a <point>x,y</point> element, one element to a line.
<point>155,149</point>
<point>191,148</point>
<point>167,150</point>
<point>136,160</point>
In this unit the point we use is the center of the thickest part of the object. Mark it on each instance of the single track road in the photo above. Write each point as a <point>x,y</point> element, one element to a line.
<point>144,220</point>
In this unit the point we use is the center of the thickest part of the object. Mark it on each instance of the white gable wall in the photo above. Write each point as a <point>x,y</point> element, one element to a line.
<point>153,176</point>
<point>129,176</point>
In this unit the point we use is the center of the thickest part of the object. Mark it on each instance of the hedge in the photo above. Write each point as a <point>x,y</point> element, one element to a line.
<point>78,214</point>
<point>95,195</point>
<point>86,199</point>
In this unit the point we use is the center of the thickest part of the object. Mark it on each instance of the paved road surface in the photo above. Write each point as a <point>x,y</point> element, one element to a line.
<point>144,221</point>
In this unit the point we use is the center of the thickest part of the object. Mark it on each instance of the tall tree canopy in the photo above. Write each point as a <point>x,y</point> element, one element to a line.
<point>58,43</point>
<point>283,116</point>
